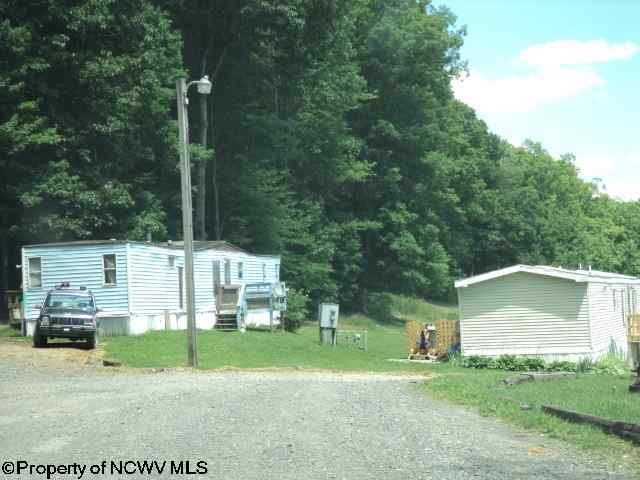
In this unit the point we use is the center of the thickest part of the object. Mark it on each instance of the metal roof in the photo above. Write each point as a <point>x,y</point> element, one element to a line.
<point>175,245</point>
<point>211,245</point>
<point>555,272</point>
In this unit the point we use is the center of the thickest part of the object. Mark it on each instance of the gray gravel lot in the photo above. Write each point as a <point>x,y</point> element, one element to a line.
<point>291,425</point>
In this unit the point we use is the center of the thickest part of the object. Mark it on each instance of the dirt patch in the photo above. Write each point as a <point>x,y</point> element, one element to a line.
<point>319,373</point>
<point>57,354</point>
<point>60,355</point>
<point>538,451</point>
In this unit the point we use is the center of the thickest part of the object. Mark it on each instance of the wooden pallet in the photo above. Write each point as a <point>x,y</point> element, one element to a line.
<point>447,334</point>
<point>634,328</point>
<point>417,356</point>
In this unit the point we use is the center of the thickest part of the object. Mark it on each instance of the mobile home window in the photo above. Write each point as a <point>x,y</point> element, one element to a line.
<point>264,272</point>
<point>35,272</point>
<point>109,267</point>
<point>240,270</point>
<point>276,269</point>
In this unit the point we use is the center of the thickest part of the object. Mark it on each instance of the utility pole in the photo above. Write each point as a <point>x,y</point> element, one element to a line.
<point>204,88</point>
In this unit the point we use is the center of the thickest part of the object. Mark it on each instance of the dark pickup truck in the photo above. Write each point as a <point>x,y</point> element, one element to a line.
<point>67,313</point>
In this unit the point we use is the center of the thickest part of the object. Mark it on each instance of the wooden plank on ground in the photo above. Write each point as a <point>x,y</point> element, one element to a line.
<point>628,431</point>
<point>531,376</point>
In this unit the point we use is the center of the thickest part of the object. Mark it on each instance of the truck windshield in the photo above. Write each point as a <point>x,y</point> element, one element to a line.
<point>62,300</point>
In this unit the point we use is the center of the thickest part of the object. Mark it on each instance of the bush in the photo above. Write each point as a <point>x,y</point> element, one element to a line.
<point>561,366</point>
<point>297,309</point>
<point>611,365</point>
<point>534,364</point>
<point>517,364</point>
<point>476,361</point>
<point>379,306</point>
<point>513,363</point>
<point>584,365</point>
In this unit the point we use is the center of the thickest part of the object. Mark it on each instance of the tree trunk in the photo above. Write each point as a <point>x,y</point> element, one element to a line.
<point>4,270</point>
<point>201,194</point>
<point>214,162</point>
<point>216,197</point>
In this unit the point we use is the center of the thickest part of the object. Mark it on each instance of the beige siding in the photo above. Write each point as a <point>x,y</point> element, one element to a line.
<point>525,314</point>
<point>609,316</point>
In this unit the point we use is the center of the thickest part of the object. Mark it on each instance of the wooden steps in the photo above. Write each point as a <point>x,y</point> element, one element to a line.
<point>226,321</point>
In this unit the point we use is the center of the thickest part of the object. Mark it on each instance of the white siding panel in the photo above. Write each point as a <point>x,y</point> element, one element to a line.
<point>252,271</point>
<point>524,314</point>
<point>608,318</point>
<point>81,265</point>
<point>153,281</point>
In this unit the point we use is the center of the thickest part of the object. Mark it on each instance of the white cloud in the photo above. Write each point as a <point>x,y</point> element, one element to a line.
<point>623,190</point>
<point>600,166</point>
<point>574,52</point>
<point>617,172</point>
<point>522,93</point>
<point>560,72</point>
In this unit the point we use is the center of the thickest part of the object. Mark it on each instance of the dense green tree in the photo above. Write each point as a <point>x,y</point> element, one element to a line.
<point>332,137</point>
<point>94,82</point>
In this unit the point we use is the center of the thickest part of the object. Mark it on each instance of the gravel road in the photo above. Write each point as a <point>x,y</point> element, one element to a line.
<point>261,425</point>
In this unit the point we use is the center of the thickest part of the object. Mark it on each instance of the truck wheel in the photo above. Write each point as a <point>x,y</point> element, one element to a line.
<point>92,341</point>
<point>39,341</point>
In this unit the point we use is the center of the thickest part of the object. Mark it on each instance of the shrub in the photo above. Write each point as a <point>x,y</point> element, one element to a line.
<point>584,365</point>
<point>611,364</point>
<point>505,362</point>
<point>534,364</point>
<point>297,309</point>
<point>561,366</point>
<point>513,363</point>
<point>379,306</point>
<point>510,363</point>
<point>476,361</point>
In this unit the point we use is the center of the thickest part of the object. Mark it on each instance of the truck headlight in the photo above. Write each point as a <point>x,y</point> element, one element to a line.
<point>88,321</point>
<point>44,320</point>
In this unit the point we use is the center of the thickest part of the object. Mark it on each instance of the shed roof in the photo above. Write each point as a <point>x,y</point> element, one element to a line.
<point>555,272</point>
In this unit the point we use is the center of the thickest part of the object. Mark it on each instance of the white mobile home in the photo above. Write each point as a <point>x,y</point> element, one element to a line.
<point>546,311</point>
<point>140,286</point>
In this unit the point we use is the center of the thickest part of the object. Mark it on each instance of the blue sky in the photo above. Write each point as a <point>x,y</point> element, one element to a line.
<point>565,73</point>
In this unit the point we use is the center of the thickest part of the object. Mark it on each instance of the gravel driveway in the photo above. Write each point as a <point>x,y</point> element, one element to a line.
<point>291,425</point>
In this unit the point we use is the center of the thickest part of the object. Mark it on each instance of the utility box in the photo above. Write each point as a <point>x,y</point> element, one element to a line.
<point>328,322</point>
<point>328,314</point>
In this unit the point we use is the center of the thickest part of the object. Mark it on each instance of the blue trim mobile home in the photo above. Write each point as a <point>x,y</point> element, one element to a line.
<point>140,286</point>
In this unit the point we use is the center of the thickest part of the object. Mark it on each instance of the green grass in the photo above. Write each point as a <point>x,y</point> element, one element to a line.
<point>604,396</point>
<point>409,308</point>
<point>262,349</point>
<point>7,332</point>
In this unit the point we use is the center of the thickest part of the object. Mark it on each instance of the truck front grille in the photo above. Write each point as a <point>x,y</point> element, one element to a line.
<point>66,321</point>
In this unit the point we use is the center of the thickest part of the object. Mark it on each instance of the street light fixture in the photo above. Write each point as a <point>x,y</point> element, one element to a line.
<point>204,88</point>
<point>204,85</point>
